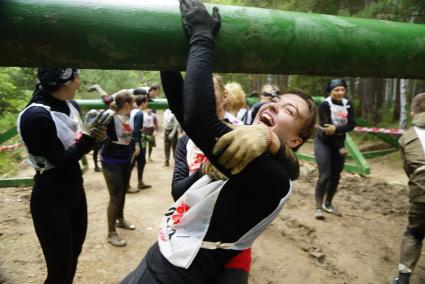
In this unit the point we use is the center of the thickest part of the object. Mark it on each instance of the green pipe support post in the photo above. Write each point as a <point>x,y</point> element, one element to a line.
<point>8,134</point>
<point>390,139</point>
<point>16,182</point>
<point>360,165</point>
<point>148,35</point>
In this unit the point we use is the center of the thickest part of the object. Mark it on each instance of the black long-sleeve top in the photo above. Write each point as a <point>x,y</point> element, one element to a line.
<point>182,181</point>
<point>338,138</point>
<point>246,198</point>
<point>112,152</point>
<point>38,132</point>
<point>138,125</point>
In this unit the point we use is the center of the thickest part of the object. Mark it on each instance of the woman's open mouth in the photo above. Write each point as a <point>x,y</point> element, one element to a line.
<point>267,119</point>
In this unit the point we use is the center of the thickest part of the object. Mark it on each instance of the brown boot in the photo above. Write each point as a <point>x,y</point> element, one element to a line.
<point>125,225</point>
<point>132,190</point>
<point>115,240</point>
<point>143,185</point>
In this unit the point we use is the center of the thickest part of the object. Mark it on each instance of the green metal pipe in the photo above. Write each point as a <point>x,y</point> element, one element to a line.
<point>99,104</point>
<point>148,35</point>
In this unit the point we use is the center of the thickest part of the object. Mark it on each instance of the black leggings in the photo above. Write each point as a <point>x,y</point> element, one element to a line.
<point>60,222</point>
<point>117,177</point>
<point>96,148</point>
<point>330,164</point>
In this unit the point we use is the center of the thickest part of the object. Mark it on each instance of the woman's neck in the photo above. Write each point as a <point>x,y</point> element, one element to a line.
<point>121,112</point>
<point>62,95</point>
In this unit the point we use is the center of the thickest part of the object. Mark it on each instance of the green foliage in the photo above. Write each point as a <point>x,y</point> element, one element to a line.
<point>16,86</point>
<point>312,85</point>
<point>15,91</point>
<point>114,80</point>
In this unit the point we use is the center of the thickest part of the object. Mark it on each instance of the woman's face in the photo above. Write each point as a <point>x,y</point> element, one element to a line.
<point>338,93</point>
<point>285,115</point>
<point>72,87</point>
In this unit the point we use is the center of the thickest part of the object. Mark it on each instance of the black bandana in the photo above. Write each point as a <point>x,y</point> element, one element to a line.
<point>56,76</point>
<point>50,79</point>
<point>335,83</point>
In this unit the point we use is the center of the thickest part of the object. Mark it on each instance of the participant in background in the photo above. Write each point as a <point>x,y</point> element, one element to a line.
<point>153,92</point>
<point>213,221</point>
<point>98,145</point>
<point>139,154</point>
<point>412,148</point>
<point>236,105</point>
<point>116,164</point>
<point>336,118</point>
<point>93,112</point>
<point>149,130</point>
<point>136,92</point>
<point>171,134</point>
<point>268,92</point>
<point>51,129</point>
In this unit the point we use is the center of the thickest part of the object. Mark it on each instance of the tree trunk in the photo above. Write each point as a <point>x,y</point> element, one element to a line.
<point>389,92</point>
<point>396,112</point>
<point>403,102</point>
<point>370,90</point>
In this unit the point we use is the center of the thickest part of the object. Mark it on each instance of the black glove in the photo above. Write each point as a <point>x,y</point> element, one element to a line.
<point>196,19</point>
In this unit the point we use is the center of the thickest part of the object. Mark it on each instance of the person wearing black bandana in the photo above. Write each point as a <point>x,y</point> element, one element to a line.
<point>336,117</point>
<point>55,139</point>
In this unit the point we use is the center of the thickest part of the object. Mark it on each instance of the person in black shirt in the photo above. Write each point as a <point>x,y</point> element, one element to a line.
<point>116,164</point>
<point>51,129</point>
<point>249,200</point>
<point>336,117</point>
<point>139,154</point>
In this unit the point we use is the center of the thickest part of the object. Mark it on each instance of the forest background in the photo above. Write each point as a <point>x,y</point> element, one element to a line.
<point>383,102</point>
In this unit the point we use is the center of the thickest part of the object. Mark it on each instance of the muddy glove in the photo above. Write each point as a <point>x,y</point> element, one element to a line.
<point>196,19</point>
<point>97,125</point>
<point>329,129</point>
<point>242,145</point>
<point>212,172</point>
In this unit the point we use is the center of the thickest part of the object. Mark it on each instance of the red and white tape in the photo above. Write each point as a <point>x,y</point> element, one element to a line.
<point>9,147</point>
<point>392,131</point>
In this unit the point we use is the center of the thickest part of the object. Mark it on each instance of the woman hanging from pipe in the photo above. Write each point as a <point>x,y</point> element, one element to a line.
<point>214,220</point>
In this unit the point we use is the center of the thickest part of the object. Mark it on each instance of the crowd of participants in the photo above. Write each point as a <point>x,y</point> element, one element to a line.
<point>228,158</point>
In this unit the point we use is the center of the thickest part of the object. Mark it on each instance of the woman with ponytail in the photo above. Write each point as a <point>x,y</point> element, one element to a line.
<point>116,164</point>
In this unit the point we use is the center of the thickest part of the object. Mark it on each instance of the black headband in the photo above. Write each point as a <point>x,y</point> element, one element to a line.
<point>335,83</point>
<point>56,76</point>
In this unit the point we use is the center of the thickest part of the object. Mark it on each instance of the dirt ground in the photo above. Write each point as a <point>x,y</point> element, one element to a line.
<point>360,247</point>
